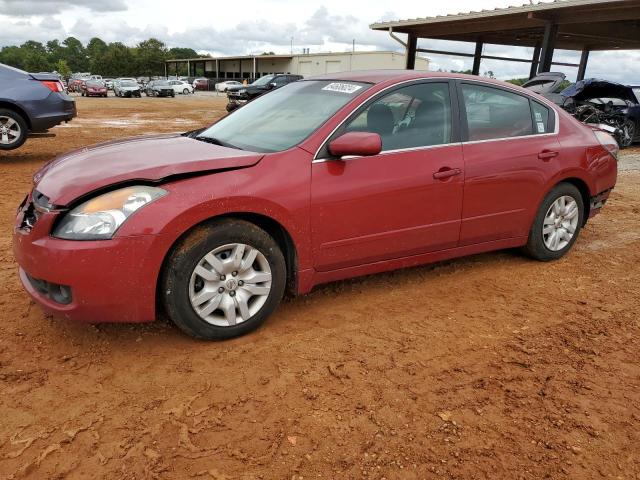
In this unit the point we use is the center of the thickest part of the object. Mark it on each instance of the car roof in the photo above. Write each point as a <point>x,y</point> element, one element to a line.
<point>394,76</point>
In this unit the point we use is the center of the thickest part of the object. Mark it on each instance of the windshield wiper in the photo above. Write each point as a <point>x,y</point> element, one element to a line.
<point>216,141</point>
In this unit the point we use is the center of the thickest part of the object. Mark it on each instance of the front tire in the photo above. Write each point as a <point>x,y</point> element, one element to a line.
<point>223,280</point>
<point>13,130</point>
<point>557,224</point>
<point>185,91</point>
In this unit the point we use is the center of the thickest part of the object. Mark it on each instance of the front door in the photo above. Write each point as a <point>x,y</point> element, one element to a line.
<point>405,201</point>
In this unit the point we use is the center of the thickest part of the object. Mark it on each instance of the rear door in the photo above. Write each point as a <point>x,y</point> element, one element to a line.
<point>511,145</point>
<point>405,201</point>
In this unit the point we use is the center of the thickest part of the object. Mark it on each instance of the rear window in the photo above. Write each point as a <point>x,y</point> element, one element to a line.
<point>493,113</point>
<point>541,118</point>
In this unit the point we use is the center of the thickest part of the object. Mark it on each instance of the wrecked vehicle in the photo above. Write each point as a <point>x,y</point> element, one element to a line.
<point>611,106</point>
<point>323,179</point>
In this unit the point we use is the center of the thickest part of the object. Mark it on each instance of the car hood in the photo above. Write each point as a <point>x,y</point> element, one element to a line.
<point>148,158</point>
<point>595,88</point>
<point>129,88</point>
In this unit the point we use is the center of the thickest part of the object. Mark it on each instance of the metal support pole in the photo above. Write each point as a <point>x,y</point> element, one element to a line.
<point>584,59</point>
<point>548,47</point>
<point>412,43</point>
<point>188,68</point>
<point>254,69</point>
<point>477,57</point>
<point>535,61</point>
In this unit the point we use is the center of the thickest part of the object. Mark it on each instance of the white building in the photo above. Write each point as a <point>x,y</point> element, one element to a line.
<point>308,64</point>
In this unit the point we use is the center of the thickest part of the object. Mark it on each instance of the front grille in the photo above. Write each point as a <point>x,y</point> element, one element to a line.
<point>58,293</point>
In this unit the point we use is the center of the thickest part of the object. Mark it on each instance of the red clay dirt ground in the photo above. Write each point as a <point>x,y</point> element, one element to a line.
<point>488,367</point>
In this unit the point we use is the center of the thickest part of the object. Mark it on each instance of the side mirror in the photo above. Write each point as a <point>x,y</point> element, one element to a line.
<point>360,144</point>
<point>273,85</point>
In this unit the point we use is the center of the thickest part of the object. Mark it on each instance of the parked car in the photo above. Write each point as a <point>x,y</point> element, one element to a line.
<point>127,88</point>
<point>30,103</point>
<point>75,84</point>
<point>94,88</point>
<point>611,106</point>
<point>180,86</point>
<point>223,86</point>
<point>328,178</point>
<point>240,95</point>
<point>159,88</point>
<point>201,84</point>
<point>108,82</point>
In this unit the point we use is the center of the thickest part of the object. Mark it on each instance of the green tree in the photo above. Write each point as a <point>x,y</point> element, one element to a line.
<point>118,61</point>
<point>150,56</point>
<point>96,49</point>
<point>54,50</point>
<point>13,56</point>
<point>75,55</point>
<point>179,52</point>
<point>63,69</point>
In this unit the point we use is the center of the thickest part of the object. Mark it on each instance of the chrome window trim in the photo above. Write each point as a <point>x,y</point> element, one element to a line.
<point>389,152</point>
<point>556,129</point>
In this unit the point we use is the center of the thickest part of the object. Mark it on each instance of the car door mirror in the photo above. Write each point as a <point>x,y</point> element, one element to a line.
<point>273,85</point>
<point>361,144</point>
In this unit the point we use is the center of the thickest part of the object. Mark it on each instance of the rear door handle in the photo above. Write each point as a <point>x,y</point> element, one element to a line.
<point>446,172</point>
<point>547,154</point>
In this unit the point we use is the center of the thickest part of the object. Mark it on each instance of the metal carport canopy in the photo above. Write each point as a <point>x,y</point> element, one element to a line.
<point>583,25</point>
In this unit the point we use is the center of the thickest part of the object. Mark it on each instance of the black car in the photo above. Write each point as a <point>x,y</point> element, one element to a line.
<point>241,94</point>
<point>30,103</point>
<point>610,105</point>
<point>159,88</point>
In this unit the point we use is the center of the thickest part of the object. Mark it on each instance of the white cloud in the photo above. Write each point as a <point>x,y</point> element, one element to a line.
<point>270,25</point>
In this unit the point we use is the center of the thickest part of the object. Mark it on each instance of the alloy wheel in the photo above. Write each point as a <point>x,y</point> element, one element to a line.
<point>9,130</point>
<point>560,223</point>
<point>230,284</point>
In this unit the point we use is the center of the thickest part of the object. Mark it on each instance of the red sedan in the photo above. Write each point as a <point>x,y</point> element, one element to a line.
<point>94,88</point>
<point>327,178</point>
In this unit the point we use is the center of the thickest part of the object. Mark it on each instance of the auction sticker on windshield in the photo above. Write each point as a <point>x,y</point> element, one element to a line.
<point>342,87</point>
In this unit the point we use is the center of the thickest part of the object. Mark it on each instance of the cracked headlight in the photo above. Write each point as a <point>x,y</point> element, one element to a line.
<point>100,217</point>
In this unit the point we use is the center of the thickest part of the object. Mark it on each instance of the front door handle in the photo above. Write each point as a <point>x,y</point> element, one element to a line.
<point>446,172</point>
<point>547,154</point>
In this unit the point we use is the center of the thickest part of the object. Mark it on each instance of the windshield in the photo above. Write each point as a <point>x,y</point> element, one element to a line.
<point>283,118</point>
<point>128,83</point>
<point>263,80</point>
<point>94,83</point>
<point>160,83</point>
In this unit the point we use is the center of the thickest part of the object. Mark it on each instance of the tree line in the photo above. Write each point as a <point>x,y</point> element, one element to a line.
<point>97,57</point>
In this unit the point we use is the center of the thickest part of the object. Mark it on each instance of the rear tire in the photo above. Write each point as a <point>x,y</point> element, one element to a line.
<point>13,130</point>
<point>185,91</point>
<point>557,224</point>
<point>239,292</point>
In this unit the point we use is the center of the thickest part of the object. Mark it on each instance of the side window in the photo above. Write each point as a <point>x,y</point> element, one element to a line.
<point>280,81</point>
<point>541,117</point>
<point>493,113</point>
<point>414,116</point>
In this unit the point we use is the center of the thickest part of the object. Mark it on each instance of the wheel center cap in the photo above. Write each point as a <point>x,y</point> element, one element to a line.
<point>232,284</point>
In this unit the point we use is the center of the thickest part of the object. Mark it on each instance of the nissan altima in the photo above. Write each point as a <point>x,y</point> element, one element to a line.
<point>327,178</point>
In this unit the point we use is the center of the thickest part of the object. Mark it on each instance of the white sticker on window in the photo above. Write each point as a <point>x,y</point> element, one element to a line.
<point>538,117</point>
<point>342,88</point>
<point>541,128</point>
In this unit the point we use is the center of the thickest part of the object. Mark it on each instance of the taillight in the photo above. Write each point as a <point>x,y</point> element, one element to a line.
<point>608,142</point>
<point>53,85</point>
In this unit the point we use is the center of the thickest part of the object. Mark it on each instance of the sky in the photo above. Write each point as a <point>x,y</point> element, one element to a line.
<point>218,28</point>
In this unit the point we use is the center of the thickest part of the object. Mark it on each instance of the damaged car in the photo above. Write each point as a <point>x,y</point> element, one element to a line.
<point>611,106</point>
<point>324,179</point>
